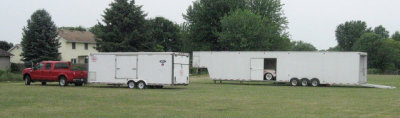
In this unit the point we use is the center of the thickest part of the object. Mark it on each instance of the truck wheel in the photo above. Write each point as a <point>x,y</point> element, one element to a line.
<point>44,83</point>
<point>315,82</point>
<point>27,80</point>
<point>63,81</point>
<point>141,85</point>
<point>294,82</point>
<point>268,76</point>
<point>304,82</point>
<point>131,84</point>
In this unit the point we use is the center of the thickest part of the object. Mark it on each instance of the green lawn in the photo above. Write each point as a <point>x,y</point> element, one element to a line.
<point>201,98</point>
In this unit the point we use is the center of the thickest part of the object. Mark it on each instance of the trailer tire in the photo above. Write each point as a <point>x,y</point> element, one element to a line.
<point>294,82</point>
<point>268,76</point>
<point>131,84</point>
<point>315,82</point>
<point>62,81</point>
<point>78,84</point>
<point>44,83</point>
<point>304,82</point>
<point>27,80</point>
<point>141,85</point>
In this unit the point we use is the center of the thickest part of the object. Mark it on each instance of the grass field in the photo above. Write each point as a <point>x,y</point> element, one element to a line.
<point>201,98</point>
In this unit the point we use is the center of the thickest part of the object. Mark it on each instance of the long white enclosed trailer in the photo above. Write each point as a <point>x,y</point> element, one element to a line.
<point>139,69</point>
<point>298,68</point>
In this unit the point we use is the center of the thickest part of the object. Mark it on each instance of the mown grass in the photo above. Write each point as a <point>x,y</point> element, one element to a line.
<point>202,98</point>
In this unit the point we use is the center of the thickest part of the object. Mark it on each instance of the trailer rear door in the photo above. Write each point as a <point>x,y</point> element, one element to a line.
<point>256,69</point>
<point>181,69</point>
<point>126,67</point>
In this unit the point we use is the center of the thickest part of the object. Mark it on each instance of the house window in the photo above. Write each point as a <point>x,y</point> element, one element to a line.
<point>73,61</point>
<point>73,46</point>
<point>86,46</point>
<point>86,60</point>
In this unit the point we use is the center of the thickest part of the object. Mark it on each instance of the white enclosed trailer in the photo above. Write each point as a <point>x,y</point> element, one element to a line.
<point>298,68</point>
<point>139,69</point>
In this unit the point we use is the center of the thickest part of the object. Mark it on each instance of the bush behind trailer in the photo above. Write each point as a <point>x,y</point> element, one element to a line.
<point>139,69</point>
<point>298,68</point>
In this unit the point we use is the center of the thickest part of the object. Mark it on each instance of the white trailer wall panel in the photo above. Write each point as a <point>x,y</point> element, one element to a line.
<point>328,67</point>
<point>155,68</point>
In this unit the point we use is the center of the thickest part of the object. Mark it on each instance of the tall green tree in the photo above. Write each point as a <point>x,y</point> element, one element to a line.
<point>4,45</point>
<point>204,19</point>
<point>165,33</point>
<point>380,30</point>
<point>383,54</point>
<point>348,33</point>
<point>39,38</point>
<point>396,36</point>
<point>303,46</point>
<point>123,29</point>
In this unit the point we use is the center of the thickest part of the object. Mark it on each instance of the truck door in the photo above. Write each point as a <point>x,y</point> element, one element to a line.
<point>256,69</point>
<point>126,67</point>
<point>37,73</point>
<point>46,73</point>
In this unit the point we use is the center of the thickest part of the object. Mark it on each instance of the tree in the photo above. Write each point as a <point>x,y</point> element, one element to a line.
<point>302,46</point>
<point>165,33</point>
<point>348,33</point>
<point>204,20</point>
<point>79,28</point>
<point>383,54</point>
<point>4,45</point>
<point>39,38</point>
<point>123,29</point>
<point>396,36</point>
<point>380,30</point>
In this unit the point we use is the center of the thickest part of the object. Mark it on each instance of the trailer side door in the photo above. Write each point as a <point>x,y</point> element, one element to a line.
<point>181,69</point>
<point>126,67</point>
<point>256,69</point>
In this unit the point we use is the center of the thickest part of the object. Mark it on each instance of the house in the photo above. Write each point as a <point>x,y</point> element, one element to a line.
<point>4,60</point>
<point>75,47</point>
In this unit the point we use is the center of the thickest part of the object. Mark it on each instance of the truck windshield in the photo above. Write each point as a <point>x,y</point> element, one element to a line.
<point>61,66</point>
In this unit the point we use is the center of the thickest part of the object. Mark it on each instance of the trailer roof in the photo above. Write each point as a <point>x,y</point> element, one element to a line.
<point>140,53</point>
<point>361,53</point>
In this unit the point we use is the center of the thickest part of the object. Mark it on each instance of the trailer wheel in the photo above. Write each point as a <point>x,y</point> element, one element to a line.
<point>62,81</point>
<point>131,84</point>
<point>44,83</point>
<point>141,85</point>
<point>27,80</point>
<point>315,82</point>
<point>294,82</point>
<point>305,82</point>
<point>78,84</point>
<point>268,76</point>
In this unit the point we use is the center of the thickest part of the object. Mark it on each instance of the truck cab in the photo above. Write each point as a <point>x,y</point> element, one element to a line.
<point>54,71</point>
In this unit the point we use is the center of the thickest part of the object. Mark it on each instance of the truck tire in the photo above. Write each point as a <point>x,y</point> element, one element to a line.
<point>294,82</point>
<point>44,83</point>
<point>315,82</point>
<point>28,80</point>
<point>141,85</point>
<point>305,82</point>
<point>62,81</point>
<point>268,76</point>
<point>131,84</point>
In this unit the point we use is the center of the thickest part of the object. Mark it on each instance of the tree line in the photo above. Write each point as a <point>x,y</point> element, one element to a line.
<point>211,25</point>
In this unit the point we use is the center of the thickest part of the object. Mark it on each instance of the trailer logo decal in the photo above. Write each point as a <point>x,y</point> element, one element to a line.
<point>94,59</point>
<point>163,62</point>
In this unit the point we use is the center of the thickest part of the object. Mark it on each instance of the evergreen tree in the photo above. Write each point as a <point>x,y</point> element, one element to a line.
<point>4,45</point>
<point>123,29</point>
<point>39,38</point>
<point>165,33</point>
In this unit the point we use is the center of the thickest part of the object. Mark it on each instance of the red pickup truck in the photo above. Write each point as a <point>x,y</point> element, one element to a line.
<point>54,71</point>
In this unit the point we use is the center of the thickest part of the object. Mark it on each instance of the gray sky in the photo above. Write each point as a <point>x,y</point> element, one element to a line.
<point>312,21</point>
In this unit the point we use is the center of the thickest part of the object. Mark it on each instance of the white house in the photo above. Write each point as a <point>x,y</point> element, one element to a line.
<point>75,47</point>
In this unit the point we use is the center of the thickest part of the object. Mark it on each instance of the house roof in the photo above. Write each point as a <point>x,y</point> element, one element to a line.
<point>4,53</point>
<point>77,36</point>
<point>15,46</point>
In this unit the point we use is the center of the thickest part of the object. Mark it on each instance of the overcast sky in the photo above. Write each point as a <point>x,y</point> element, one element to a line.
<point>312,21</point>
